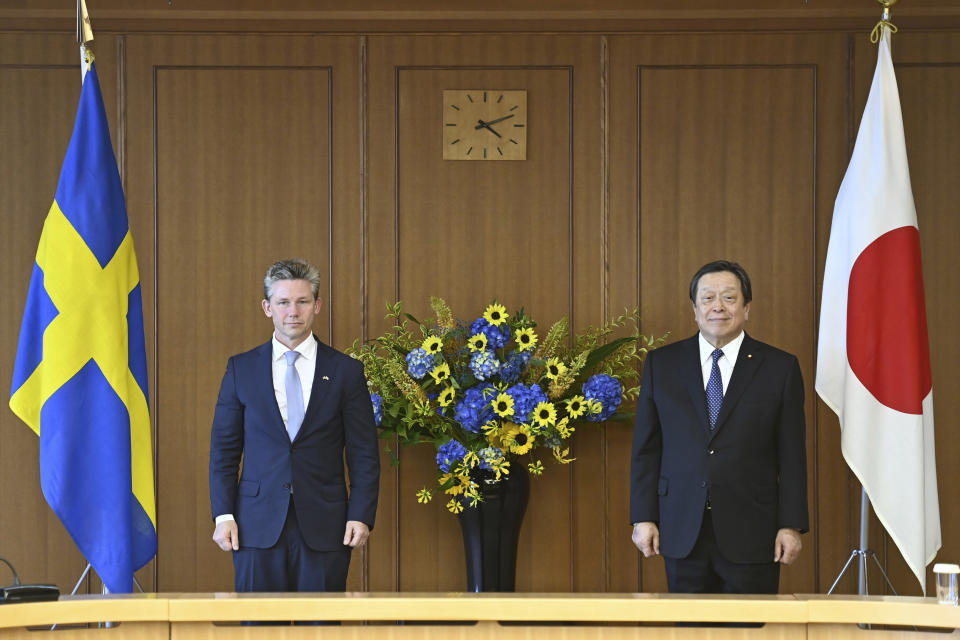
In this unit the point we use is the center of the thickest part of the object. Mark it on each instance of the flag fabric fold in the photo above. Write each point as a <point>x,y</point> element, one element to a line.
<point>80,377</point>
<point>873,363</point>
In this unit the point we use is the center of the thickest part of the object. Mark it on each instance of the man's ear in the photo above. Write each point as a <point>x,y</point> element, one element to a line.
<point>266,308</point>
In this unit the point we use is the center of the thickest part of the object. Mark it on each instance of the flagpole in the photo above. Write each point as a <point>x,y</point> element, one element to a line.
<point>864,551</point>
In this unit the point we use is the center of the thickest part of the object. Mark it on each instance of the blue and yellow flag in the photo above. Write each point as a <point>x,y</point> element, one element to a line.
<point>80,380</point>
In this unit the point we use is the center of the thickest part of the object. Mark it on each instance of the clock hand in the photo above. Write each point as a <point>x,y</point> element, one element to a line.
<point>499,119</point>
<point>486,125</point>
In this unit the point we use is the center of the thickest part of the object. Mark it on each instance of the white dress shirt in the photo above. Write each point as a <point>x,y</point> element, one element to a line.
<point>730,352</point>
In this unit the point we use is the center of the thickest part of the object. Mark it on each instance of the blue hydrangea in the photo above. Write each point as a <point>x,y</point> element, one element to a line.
<point>525,399</point>
<point>516,362</point>
<point>474,409</point>
<point>450,454</point>
<point>605,389</point>
<point>496,336</point>
<point>419,362</point>
<point>484,364</point>
<point>488,452</point>
<point>377,407</point>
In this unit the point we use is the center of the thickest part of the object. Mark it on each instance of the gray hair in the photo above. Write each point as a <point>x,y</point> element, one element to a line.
<point>292,269</point>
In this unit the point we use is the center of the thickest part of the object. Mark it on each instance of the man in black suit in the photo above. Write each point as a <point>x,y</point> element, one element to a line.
<point>289,409</point>
<point>718,468</point>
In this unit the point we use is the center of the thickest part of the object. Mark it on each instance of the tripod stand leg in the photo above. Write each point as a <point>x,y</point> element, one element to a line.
<point>882,572</point>
<point>853,555</point>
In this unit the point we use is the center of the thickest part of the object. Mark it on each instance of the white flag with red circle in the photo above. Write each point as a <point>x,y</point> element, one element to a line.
<point>873,357</point>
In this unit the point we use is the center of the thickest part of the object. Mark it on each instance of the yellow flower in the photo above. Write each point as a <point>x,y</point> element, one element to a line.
<point>544,414</point>
<point>561,455</point>
<point>478,342</point>
<point>432,345</point>
<point>535,468</point>
<point>594,406</point>
<point>471,459</point>
<point>445,399</point>
<point>503,405</point>
<point>500,466</point>
<point>507,435</point>
<point>576,407</point>
<point>526,339</point>
<point>555,368</point>
<point>492,431</point>
<point>564,428</point>
<point>440,373</point>
<point>473,496</point>
<point>496,314</point>
<point>522,440</point>
<point>424,496</point>
<point>454,506</point>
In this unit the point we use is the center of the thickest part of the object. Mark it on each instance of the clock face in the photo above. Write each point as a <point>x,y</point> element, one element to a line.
<point>484,124</point>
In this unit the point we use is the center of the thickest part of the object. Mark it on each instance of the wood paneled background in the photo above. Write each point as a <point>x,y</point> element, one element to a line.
<point>649,153</point>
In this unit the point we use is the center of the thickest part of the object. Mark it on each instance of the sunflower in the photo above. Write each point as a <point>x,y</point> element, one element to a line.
<point>496,314</point>
<point>503,405</point>
<point>478,342</point>
<point>432,345</point>
<point>440,373</point>
<point>522,440</point>
<point>555,368</point>
<point>544,414</point>
<point>576,407</point>
<point>526,339</point>
<point>445,399</point>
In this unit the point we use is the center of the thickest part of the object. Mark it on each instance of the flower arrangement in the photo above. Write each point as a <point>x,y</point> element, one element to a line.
<point>494,394</point>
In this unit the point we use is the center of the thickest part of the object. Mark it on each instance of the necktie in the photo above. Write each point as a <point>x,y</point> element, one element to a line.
<point>291,381</point>
<point>714,390</point>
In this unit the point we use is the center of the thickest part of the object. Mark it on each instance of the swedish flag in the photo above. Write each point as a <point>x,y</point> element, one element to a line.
<point>80,380</point>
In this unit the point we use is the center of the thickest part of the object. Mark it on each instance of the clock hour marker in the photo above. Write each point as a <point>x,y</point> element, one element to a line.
<point>500,98</point>
<point>469,150</point>
<point>469,98</point>
<point>514,141</point>
<point>451,124</point>
<point>514,107</point>
<point>499,150</point>
<point>484,96</point>
<point>455,107</point>
<point>518,125</point>
<point>484,152</point>
<point>455,141</point>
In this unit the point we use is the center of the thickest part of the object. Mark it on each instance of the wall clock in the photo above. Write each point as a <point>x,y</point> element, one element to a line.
<point>484,124</point>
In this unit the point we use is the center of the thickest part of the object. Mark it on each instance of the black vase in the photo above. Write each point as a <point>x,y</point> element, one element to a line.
<point>492,528</point>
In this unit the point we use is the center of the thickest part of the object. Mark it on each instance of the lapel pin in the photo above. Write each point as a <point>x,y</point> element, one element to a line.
<point>326,377</point>
<point>749,355</point>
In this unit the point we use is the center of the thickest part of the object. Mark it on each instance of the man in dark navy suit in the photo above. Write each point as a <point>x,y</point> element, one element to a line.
<point>289,409</point>
<point>718,468</point>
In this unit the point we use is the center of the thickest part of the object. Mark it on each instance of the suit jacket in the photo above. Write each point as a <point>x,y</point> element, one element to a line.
<point>752,466</point>
<point>247,425</point>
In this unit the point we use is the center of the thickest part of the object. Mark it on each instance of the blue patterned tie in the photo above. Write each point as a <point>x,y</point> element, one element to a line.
<point>714,390</point>
<point>291,382</point>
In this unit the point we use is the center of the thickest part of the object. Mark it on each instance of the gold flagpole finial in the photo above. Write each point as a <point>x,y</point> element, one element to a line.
<point>877,32</point>
<point>84,37</point>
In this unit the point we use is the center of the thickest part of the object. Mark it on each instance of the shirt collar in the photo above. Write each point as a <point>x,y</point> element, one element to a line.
<point>307,349</point>
<point>730,350</point>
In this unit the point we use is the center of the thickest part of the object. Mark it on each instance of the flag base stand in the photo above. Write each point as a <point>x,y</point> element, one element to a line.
<point>103,590</point>
<point>861,554</point>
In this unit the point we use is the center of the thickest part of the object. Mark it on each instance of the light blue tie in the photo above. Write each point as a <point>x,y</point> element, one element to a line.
<point>291,382</point>
<point>714,390</point>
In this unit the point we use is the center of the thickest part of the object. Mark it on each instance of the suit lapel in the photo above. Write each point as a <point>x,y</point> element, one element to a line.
<point>264,387</point>
<point>748,362</point>
<point>322,379</point>
<point>692,376</point>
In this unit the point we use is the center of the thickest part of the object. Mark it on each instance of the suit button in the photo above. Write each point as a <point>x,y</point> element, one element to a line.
<point>703,484</point>
<point>710,452</point>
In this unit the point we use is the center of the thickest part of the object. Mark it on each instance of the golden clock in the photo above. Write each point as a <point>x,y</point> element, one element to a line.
<point>484,124</point>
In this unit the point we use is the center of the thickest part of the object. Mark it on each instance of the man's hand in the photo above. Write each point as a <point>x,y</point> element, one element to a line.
<point>227,536</point>
<point>646,536</point>
<point>356,534</point>
<point>787,547</point>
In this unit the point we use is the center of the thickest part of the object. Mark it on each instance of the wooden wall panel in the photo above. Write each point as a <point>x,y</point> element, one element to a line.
<point>700,172</point>
<point>649,155</point>
<point>475,231</point>
<point>239,137</point>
